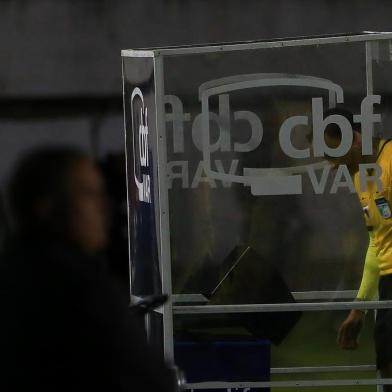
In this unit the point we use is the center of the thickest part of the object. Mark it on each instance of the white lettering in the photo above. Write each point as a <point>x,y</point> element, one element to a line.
<point>342,180</point>
<point>318,186</point>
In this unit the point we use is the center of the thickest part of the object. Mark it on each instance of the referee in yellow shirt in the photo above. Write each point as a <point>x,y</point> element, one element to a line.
<point>377,210</point>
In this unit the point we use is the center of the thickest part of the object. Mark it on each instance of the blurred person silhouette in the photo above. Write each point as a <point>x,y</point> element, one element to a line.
<point>4,229</point>
<point>66,326</point>
<point>113,169</point>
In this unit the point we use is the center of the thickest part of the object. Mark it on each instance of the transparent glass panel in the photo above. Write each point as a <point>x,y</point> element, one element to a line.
<point>311,344</point>
<point>307,241</point>
<point>258,215</point>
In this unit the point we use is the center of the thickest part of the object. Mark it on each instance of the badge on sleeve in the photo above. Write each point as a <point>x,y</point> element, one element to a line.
<point>383,207</point>
<point>366,211</point>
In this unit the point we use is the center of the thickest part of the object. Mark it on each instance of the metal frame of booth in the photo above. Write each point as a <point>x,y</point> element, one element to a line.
<point>171,309</point>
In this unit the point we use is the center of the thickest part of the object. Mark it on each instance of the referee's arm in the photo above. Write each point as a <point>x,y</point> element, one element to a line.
<point>351,327</point>
<point>368,290</point>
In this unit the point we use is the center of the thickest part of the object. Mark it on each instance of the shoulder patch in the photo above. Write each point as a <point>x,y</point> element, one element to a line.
<point>383,207</point>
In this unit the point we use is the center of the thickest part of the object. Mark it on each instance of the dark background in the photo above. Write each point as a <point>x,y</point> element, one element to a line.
<point>60,62</point>
<point>60,65</point>
<point>71,48</point>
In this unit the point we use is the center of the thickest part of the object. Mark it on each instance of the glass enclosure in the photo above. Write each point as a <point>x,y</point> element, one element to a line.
<point>247,208</point>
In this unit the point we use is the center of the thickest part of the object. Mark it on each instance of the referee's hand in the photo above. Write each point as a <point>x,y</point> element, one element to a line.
<point>349,330</point>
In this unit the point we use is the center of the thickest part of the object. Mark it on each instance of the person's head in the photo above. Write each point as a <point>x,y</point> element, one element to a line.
<point>333,138</point>
<point>59,192</point>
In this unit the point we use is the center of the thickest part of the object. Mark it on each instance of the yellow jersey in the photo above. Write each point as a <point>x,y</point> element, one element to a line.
<point>377,208</point>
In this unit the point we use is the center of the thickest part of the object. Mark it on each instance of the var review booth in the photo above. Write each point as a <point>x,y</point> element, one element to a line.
<point>236,215</point>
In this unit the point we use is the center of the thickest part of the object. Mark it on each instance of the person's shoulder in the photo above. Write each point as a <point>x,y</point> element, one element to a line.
<point>386,146</point>
<point>384,158</point>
